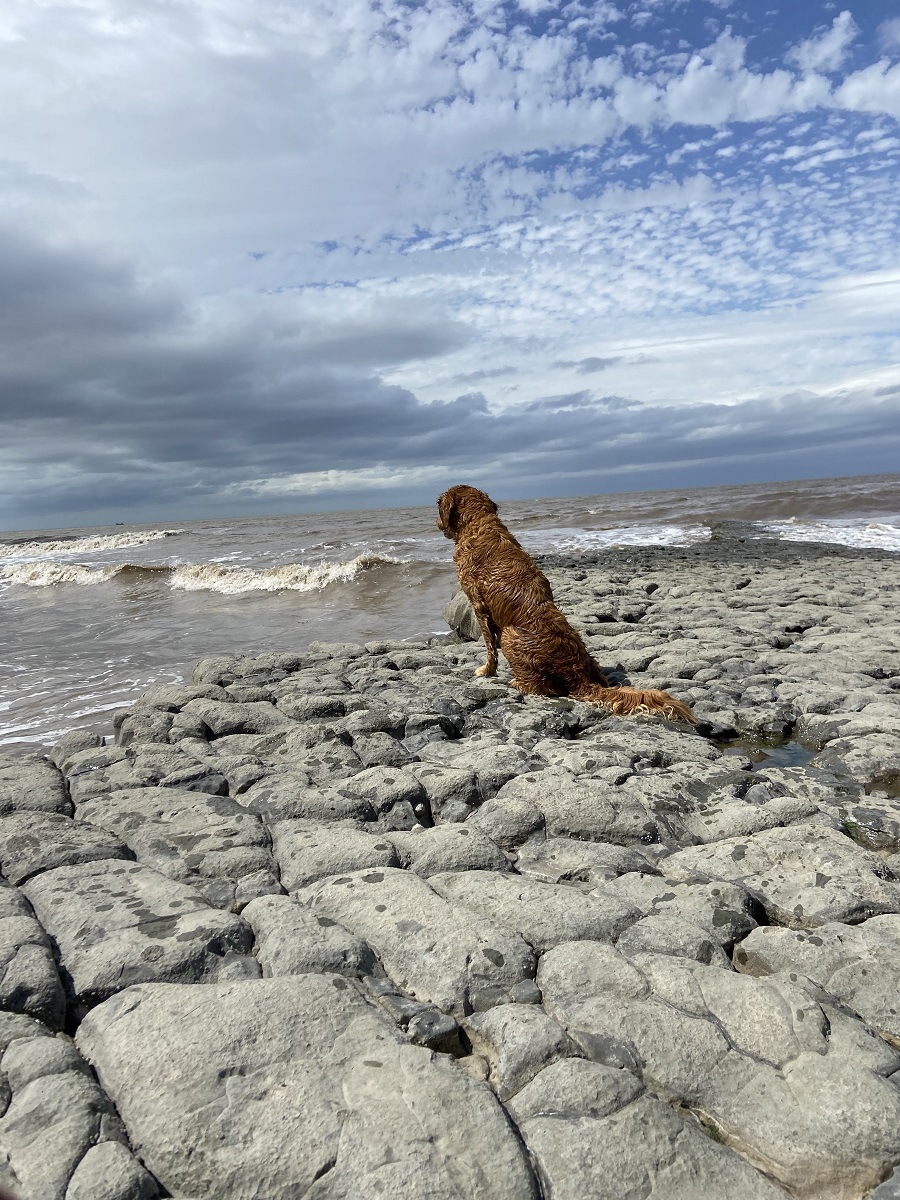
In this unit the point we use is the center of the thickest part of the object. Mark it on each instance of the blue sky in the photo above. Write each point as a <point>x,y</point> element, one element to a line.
<point>286,256</point>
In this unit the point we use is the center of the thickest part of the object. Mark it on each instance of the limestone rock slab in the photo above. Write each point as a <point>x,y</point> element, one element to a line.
<point>209,841</point>
<point>117,923</point>
<point>518,1041</point>
<point>56,1114</point>
<point>302,1089</point>
<point>32,784</point>
<point>582,807</point>
<point>293,940</point>
<point>545,914</point>
<point>31,842</point>
<point>440,952</point>
<point>310,850</point>
<point>722,911</point>
<point>447,848</point>
<point>109,1171</point>
<point>565,860</point>
<point>857,964</point>
<point>782,1083</point>
<point>287,796</point>
<point>29,980</point>
<point>803,875</point>
<point>594,1131</point>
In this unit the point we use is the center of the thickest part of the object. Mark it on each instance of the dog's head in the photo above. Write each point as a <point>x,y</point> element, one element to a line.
<point>459,505</point>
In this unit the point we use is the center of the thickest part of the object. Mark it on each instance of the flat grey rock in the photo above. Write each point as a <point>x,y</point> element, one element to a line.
<point>518,1041</point>
<point>384,787</point>
<point>447,848</point>
<point>872,759</point>
<point>594,1131</point>
<point>565,860</point>
<point>445,785</point>
<point>582,807</point>
<point>287,1063</point>
<point>673,935</point>
<point>857,964</point>
<point>494,764</point>
<point>222,719</point>
<point>209,841</point>
<point>70,743</point>
<point>32,842</point>
<point>440,952</point>
<point>379,749</point>
<point>29,980</point>
<point>722,911</point>
<point>287,796</point>
<point>545,914</point>
<point>118,923</point>
<point>761,1063</point>
<point>310,850</point>
<point>109,1171</point>
<point>508,820</point>
<point>31,784</point>
<point>733,816</point>
<point>872,821</point>
<point>56,1114</point>
<point>293,940</point>
<point>803,875</point>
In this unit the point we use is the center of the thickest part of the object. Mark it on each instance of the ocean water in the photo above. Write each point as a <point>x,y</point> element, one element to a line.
<point>91,617</point>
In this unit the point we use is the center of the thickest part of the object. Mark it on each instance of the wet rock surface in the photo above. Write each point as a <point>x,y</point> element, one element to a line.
<point>352,921</point>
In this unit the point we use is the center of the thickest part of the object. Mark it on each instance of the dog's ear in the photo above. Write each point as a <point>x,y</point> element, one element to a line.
<point>447,511</point>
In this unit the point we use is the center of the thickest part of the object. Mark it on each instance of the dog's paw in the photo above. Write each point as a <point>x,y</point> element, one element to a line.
<point>486,670</point>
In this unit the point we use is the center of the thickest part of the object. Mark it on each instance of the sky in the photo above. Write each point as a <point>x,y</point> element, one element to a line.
<point>324,254</point>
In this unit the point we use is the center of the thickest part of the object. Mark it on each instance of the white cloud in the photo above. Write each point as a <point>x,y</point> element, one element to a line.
<point>889,33</point>
<point>873,89</point>
<point>398,195</point>
<point>826,50</point>
<point>380,477</point>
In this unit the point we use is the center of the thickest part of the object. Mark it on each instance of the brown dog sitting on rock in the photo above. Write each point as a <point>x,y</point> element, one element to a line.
<point>514,606</point>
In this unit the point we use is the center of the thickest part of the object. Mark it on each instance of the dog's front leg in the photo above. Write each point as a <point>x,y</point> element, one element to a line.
<point>490,633</point>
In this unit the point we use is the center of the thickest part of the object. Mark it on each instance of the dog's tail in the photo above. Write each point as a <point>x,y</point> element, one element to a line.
<point>629,701</point>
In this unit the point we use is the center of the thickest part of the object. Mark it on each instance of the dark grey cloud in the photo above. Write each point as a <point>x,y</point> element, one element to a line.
<point>117,399</point>
<point>588,366</point>
<point>480,376</point>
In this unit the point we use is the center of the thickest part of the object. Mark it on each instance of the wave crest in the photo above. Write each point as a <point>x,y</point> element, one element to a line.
<point>292,577</point>
<point>200,577</point>
<point>46,574</point>
<point>85,545</point>
<point>858,533</point>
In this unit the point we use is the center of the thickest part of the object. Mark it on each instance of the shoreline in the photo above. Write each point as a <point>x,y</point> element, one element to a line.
<point>371,885</point>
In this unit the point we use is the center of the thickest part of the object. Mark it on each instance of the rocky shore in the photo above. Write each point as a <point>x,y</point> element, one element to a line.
<point>352,922</point>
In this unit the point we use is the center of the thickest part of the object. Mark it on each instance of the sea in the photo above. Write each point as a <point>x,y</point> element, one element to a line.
<point>90,617</point>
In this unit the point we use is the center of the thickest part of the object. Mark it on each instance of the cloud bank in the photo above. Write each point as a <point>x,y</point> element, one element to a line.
<point>350,254</point>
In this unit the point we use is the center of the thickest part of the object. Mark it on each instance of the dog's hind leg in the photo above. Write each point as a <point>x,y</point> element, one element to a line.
<point>491,634</point>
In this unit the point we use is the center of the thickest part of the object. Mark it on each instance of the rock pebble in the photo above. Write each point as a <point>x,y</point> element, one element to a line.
<point>353,922</point>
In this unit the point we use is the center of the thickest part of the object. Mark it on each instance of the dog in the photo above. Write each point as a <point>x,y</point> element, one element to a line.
<point>514,605</point>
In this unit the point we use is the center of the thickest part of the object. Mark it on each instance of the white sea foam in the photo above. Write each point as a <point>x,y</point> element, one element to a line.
<point>292,577</point>
<point>47,574</point>
<point>85,545</point>
<point>858,533</point>
<point>549,540</point>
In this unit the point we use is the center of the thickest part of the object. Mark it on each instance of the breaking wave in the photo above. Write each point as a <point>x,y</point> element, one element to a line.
<point>84,545</point>
<point>47,574</point>
<point>200,577</point>
<point>860,534</point>
<point>292,577</point>
<point>563,539</point>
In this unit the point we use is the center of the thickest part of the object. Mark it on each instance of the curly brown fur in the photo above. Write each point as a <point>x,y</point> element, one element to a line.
<point>514,605</point>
